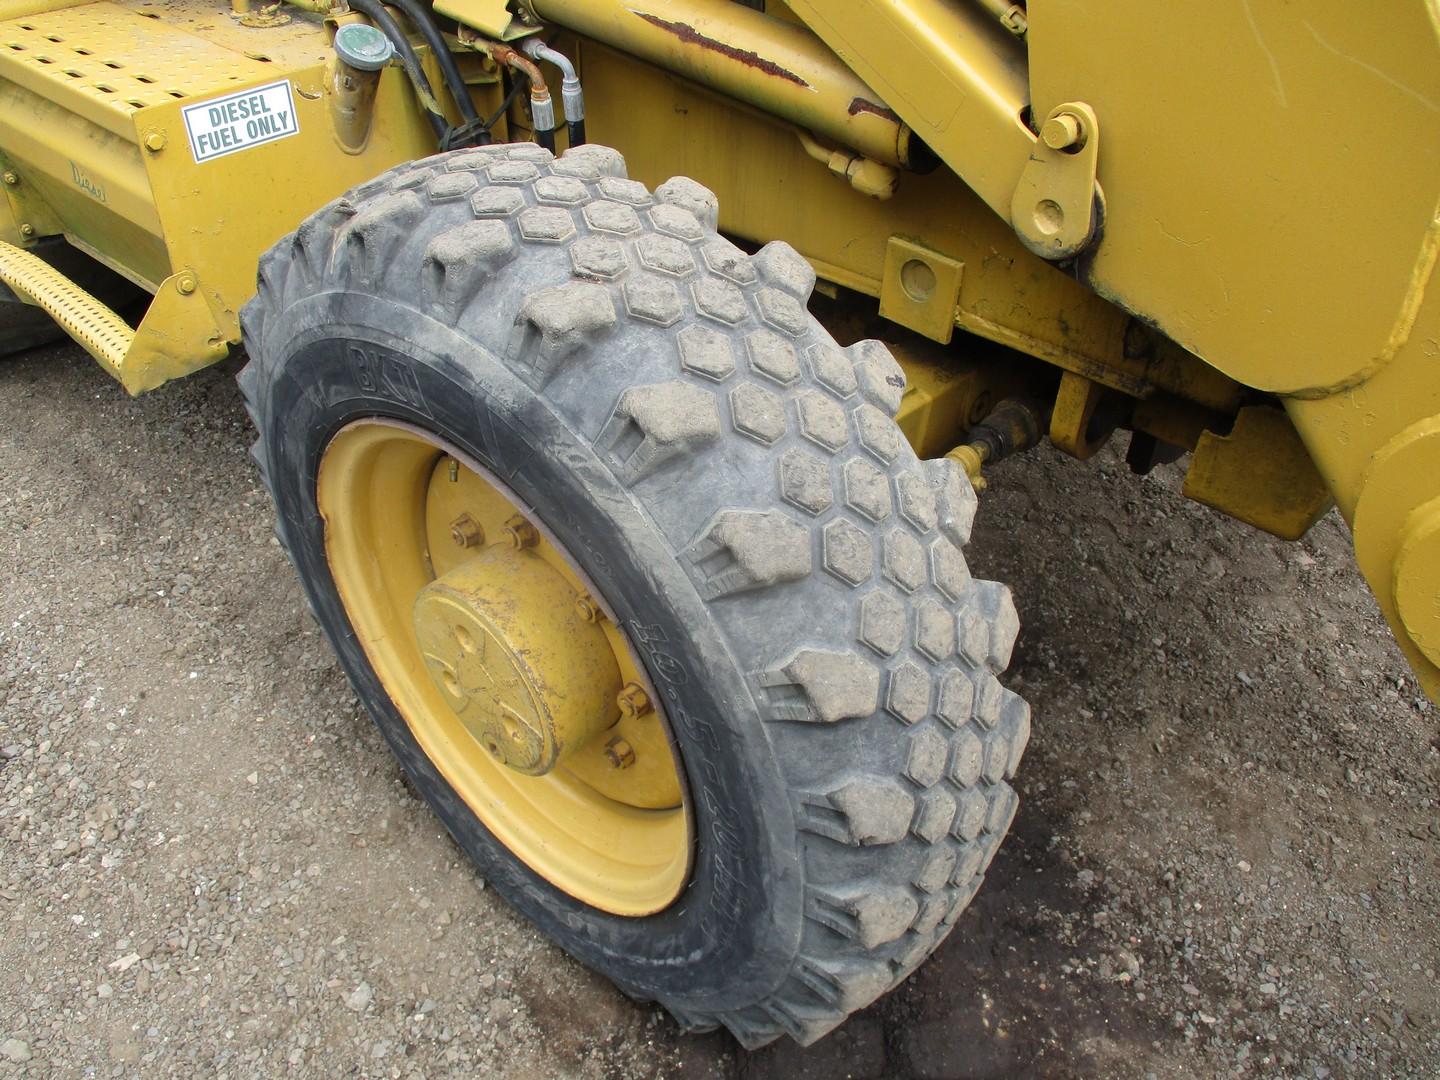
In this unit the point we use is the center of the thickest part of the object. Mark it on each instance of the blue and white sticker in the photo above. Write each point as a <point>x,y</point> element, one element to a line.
<point>239,121</point>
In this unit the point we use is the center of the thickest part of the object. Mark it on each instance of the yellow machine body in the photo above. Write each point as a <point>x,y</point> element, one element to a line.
<point>1215,225</point>
<point>92,135</point>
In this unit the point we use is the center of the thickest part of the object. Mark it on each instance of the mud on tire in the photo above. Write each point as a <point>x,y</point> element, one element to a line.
<point>737,487</point>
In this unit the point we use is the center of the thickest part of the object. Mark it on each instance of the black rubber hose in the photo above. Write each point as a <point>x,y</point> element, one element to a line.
<point>409,60</point>
<point>510,95</point>
<point>425,23</point>
<point>576,130</point>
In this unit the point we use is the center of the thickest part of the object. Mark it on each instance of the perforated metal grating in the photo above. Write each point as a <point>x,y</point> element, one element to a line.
<point>128,58</point>
<point>104,334</point>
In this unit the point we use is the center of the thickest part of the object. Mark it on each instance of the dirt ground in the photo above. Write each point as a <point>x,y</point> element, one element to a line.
<point>1224,863</point>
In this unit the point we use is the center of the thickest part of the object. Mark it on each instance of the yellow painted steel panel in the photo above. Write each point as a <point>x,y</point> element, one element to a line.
<point>1271,172</point>
<point>218,216</point>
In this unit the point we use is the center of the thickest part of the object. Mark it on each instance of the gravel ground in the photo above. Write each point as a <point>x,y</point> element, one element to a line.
<point>1223,864</point>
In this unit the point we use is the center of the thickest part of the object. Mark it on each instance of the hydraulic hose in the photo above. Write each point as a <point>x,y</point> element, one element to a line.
<point>424,22</point>
<point>542,108</point>
<point>510,96</point>
<point>409,60</point>
<point>572,98</point>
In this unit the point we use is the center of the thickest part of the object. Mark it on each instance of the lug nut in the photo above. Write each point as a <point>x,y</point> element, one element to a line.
<point>521,533</point>
<point>587,609</point>
<point>466,532</point>
<point>619,753</point>
<point>633,701</point>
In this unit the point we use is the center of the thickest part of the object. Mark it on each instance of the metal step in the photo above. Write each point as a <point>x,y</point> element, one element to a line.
<point>140,359</point>
<point>105,335</point>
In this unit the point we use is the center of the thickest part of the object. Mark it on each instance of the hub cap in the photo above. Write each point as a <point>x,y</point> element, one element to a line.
<point>529,678</point>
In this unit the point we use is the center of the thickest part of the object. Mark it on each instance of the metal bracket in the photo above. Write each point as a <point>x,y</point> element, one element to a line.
<point>920,289</point>
<point>31,216</point>
<point>267,15</point>
<point>179,334</point>
<point>1260,473</point>
<point>1075,426</point>
<point>1053,211</point>
<point>493,18</point>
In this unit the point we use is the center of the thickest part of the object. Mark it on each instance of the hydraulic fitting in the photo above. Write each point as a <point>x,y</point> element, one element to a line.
<point>572,97</point>
<point>1014,425</point>
<point>542,109</point>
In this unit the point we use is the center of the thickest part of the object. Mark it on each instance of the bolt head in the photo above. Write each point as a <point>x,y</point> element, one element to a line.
<point>466,532</point>
<point>155,141</point>
<point>587,609</point>
<point>1063,131</point>
<point>185,286</point>
<point>633,701</point>
<point>619,753</point>
<point>27,230</point>
<point>521,533</point>
<point>11,179</point>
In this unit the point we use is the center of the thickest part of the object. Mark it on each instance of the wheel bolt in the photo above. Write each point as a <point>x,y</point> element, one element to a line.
<point>633,701</point>
<point>587,609</point>
<point>521,533</point>
<point>466,532</point>
<point>620,753</point>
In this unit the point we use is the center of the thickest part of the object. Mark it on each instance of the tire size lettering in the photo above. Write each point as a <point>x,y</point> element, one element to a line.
<point>387,376</point>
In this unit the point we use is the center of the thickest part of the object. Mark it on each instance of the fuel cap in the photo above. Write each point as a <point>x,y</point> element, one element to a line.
<point>363,47</point>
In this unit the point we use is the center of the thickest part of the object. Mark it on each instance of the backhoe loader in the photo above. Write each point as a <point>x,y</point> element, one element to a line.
<point>625,371</point>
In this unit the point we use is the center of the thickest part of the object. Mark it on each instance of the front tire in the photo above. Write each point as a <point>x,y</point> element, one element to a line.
<point>732,484</point>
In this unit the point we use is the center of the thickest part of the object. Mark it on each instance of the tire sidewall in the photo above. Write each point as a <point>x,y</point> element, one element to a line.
<point>732,935</point>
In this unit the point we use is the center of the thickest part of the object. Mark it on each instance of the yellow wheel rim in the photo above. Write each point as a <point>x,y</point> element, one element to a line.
<point>506,665</point>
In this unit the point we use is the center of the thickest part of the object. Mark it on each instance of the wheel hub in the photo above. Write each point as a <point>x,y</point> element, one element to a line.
<point>504,640</point>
